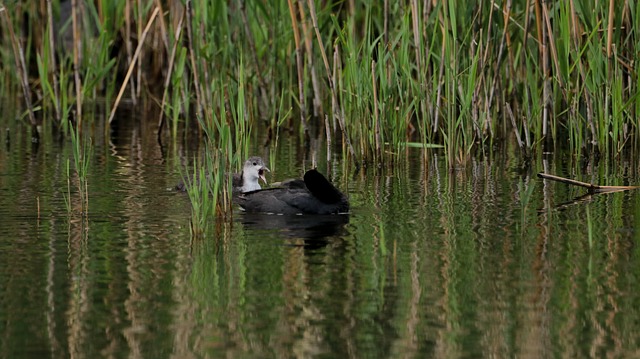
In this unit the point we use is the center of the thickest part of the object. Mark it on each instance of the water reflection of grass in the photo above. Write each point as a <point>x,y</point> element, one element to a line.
<point>371,77</point>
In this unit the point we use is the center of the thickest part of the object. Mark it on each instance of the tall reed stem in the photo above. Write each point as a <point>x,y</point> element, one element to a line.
<point>299,66</point>
<point>334,96</point>
<point>21,68</point>
<point>52,58</point>
<point>131,66</point>
<point>76,60</point>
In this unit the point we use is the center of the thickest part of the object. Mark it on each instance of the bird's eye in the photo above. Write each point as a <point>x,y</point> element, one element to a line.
<point>255,163</point>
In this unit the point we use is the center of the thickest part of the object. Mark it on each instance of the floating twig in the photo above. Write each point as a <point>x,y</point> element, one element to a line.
<point>592,188</point>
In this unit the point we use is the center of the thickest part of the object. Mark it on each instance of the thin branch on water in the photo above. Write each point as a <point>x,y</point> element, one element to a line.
<point>592,188</point>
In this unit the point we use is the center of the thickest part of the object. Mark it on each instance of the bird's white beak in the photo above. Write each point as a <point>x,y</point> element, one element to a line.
<point>261,174</point>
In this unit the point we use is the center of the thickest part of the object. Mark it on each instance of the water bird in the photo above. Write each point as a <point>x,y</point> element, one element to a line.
<point>248,180</point>
<point>253,170</point>
<point>314,194</point>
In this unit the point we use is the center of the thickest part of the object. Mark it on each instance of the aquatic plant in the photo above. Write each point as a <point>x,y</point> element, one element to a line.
<point>82,153</point>
<point>199,191</point>
<point>370,79</point>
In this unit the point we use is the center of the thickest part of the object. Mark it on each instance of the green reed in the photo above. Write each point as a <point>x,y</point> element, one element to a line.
<point>82,150</point>
<point>226,142</point>
<point>372,78</point>
<point>202,189</point>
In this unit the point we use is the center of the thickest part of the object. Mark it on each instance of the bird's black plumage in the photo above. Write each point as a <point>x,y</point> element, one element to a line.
<point>314,195</point>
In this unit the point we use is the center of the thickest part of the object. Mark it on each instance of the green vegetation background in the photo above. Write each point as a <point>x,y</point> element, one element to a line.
<point>372,77</point>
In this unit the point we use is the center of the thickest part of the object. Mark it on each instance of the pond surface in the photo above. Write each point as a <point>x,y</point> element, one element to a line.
<point>483,261</point>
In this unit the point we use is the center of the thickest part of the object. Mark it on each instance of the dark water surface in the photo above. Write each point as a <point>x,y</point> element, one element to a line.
<point>484,261</point>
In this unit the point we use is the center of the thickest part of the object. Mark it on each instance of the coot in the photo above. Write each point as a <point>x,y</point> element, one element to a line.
<point>252,171</point>
<point>314,195</point>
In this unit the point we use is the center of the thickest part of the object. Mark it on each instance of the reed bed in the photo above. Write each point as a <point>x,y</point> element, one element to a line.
<point>374,78</point>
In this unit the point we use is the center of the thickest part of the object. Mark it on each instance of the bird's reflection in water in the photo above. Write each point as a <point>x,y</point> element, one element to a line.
<point>314,230</point>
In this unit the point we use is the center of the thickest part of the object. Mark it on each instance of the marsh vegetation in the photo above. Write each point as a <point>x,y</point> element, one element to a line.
<point>371,79</point>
